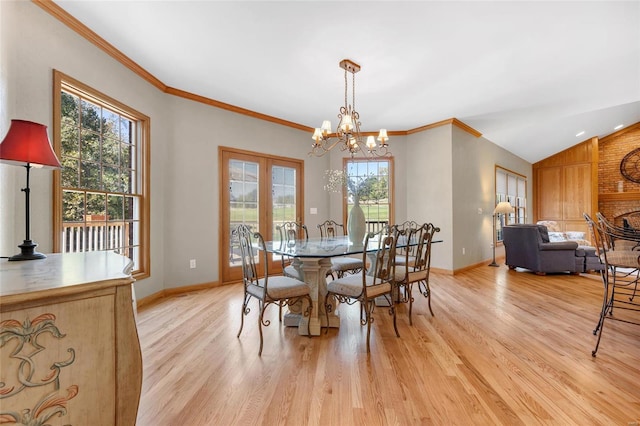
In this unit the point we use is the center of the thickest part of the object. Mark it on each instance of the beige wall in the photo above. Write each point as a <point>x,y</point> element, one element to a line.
<point>474,161</point>
<point>429,183</point>
<point>433,168</point>
<point>450,175</point>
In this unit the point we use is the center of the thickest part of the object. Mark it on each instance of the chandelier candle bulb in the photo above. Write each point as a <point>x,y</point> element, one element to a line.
<point>346,125</point>
<point>326,127</point>
<point>317,135</point>
<point>382,137</point>
<point>371,143</point>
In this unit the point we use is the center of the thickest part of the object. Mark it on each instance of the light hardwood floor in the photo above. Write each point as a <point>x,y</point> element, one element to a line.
<point>504,348</point>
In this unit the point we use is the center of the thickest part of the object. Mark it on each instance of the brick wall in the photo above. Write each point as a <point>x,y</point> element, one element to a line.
<point>616,210</point>
<point>611,150</point>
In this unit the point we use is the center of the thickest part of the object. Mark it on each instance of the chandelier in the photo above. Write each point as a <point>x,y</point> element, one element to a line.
<point>348,135</point>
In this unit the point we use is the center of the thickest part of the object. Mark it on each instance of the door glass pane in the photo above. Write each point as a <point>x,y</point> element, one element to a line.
<point>243,198</point>
<point>283,190</point>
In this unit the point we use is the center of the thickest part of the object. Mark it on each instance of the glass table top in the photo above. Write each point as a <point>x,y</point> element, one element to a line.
<point>323,247</point>
<point>318,247</point>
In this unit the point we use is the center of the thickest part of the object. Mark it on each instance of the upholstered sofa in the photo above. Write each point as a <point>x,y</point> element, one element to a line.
<point>585,248</point>
<point>528,246</point>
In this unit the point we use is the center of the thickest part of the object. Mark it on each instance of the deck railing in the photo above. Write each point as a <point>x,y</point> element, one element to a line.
<point>93,236</point>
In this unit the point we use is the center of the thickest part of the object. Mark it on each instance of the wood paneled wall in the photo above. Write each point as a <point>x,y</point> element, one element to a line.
<point>565,186</point>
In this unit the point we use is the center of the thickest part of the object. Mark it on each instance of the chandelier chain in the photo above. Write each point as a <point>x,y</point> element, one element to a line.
<point>346,88</point>
<point>353,91</point>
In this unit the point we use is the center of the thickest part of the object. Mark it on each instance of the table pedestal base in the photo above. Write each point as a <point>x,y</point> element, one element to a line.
<point>314,271</point>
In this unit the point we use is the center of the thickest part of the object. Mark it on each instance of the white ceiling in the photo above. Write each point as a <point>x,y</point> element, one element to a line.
<point>528,75</point>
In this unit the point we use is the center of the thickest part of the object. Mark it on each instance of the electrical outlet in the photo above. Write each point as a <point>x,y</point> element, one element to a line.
<point>192,263</point>
<point>463,250</point>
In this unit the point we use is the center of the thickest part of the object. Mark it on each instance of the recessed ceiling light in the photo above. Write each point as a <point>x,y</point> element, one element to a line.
<point>580,134</point>
<point>619,126</point>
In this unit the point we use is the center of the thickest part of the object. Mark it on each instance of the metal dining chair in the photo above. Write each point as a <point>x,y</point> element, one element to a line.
<point>415,264</point>
<point>366,287</point>
<point>339,265</point>
<point>621,273</point>
<point>278,289</point>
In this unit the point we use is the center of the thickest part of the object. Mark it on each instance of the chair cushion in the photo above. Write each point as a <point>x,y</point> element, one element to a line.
<point>400,273</point>
<point>351,286</point>
<point>623,258</point>
<point>345,263</point>
<point>279,288</point>
<point>292,272</point>
<point>402,260</point>
<point>412,277</point>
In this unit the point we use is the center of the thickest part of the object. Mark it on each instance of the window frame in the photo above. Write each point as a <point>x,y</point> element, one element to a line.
<point>345,197</point>
<point>143,165</point>
<point>517,199</point>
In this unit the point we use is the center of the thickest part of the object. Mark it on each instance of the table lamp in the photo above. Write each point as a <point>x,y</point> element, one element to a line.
<point>27,144</point>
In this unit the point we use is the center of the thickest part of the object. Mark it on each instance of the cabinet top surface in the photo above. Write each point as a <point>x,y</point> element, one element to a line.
<point>63,271</point>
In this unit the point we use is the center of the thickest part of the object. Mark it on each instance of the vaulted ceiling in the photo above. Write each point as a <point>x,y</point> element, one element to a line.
<point>530,76</point>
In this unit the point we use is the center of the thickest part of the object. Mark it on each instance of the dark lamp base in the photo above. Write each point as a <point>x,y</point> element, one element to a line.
<point>493,264</point>
<point>28,252</point>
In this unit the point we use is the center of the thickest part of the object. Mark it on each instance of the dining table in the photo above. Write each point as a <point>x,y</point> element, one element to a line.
<point>312,257</point>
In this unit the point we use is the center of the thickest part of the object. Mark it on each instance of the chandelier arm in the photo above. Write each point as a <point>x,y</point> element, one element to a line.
<point>325,145</point>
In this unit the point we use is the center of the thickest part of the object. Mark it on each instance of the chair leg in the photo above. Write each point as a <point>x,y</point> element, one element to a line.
<point>327,308</point>
<point>605,300</point>
<point>244,312</point>
<point>309,311</point>
<point>593,352</point>
<point>409,288</point>
<point>368,309</point>
<point>635,286</point>
<point>260,317</point>
<point>392,311</point>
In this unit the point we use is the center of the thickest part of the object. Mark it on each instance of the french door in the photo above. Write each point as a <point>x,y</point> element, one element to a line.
<point>258,190</point>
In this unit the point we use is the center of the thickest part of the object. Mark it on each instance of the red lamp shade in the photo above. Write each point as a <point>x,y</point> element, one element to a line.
<point>27,143</point>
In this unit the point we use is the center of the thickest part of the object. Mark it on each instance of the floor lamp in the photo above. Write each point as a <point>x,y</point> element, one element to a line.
<point>503,207</point>
<point>27,144</point>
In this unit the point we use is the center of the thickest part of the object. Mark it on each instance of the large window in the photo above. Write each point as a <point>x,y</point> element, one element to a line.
<point>372,180</point>
<point>102,197</point>
<point>511,187</point>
